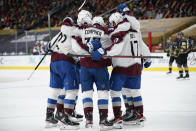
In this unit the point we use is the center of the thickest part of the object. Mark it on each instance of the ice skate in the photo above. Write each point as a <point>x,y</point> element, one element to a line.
<point>134,119</point>
<point>180,77</point>
<point>89,124</point>
<point>169,73</point>
<point>67,124</point>
<point>105,124</point>
<point>59,115</point>
<point>117,121</point>
<point>127,114</point>
<point>186,76</point>
<point>50,120</point>
<point>89,120</point>
<point>77,116</point>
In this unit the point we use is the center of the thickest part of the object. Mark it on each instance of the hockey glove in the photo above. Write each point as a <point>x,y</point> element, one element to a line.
<point>47,47</point>
<point>147,63</point>
<point>96,55</point>
<point>93,45</point>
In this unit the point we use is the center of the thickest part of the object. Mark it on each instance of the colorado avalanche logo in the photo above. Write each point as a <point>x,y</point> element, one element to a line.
<point>116,40</point>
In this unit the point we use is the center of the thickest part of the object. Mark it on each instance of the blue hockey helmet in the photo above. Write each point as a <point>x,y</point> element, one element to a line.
<point>123,8</point>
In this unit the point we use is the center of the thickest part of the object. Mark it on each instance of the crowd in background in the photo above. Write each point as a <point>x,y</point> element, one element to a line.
<point>39,48</point>
<point>21,14</point>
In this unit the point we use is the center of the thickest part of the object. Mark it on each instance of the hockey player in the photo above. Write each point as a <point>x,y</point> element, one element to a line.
<point>184,48</point>
<point>62,75</point>
<point>93,71</point>
<point>170,50</point>
<point>126,71</point>
<point>129,103</point>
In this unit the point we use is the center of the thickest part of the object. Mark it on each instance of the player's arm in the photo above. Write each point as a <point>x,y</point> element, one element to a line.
<point>116,47</point>
<point>145,52</point>
<point>117,37</point>
<point>72,30</point>
<point>78,47</point>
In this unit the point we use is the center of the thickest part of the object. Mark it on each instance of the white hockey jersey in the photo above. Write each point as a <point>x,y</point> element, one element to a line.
<point>127,42</point>
<point>88,33</point>
<point>135,24</point>
<point>61,43</point>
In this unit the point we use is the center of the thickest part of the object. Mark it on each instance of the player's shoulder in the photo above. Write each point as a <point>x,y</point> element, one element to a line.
<point>85,26</point>
<point>135,24</point>
<point>67,28</point>
<point>102,28</point>
<point>123,26</point>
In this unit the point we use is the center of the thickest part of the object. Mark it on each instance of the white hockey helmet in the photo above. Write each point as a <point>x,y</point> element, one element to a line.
<point>84,13</point>
<point>84,17</point>
<point>115,18</point>
<point>68,19</point>
<point>98,20</point>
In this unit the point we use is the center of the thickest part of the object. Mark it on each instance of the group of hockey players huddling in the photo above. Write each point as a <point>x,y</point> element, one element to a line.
<point>179,50</point>
<point>93,38</point>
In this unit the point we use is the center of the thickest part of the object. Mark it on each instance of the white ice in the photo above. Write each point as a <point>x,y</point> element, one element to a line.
<point>169,104</point>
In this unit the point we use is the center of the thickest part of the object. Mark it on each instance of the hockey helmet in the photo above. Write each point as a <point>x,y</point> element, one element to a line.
<point>115,18</point>
<point>84,17</point>
<point>123,8</point>
<point>68,20</point>
<point>180,34</point>
<point>98,20</point>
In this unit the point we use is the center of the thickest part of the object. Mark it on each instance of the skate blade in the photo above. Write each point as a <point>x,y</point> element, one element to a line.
<point>179,79</point>
<point>140,123</point>
<point>182,79</point>
<point>50,125</point>
<point>80,119</point>
<point>68,127</point>
<point>89,126</point>
<point>129,123</point>
<point>77,120</point>
<point>105,128</point>
<point>169,74</point>
<point>118,126</point>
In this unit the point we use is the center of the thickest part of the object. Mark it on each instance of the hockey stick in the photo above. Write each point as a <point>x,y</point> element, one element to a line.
<point>60,35</point>
<point>50,37</point>
<point>113,9</point>
<point>81,5</point>
<point>117,56</point>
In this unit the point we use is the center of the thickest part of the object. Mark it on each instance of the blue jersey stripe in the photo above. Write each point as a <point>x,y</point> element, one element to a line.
<point>61,97</point>
<point>139,98</point>
<point>102,101</point>
<point>129,98</point>
<point>116,99</point>
<point>85,100</point>
<point>124,96</point>
<point>52,101</point>
<point>67,101</point>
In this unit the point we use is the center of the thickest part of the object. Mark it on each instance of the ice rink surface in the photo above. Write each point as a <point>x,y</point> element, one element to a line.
<point>169,104</point>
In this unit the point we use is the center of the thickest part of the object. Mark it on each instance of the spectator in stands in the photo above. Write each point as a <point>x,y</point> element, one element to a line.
<point>23,14</point>
<point>42,47</point>
<point>159,15</point>
<point>192,42</point>
<point>36,48</point>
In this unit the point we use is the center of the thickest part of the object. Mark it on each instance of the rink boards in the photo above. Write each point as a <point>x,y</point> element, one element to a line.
<point>31,61</point>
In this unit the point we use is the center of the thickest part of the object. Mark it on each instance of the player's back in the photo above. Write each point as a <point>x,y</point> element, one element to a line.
<point>89,33</point>
<point>126,42</point>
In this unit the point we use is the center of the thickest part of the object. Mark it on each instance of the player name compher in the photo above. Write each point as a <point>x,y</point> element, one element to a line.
<point>93,32</point>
